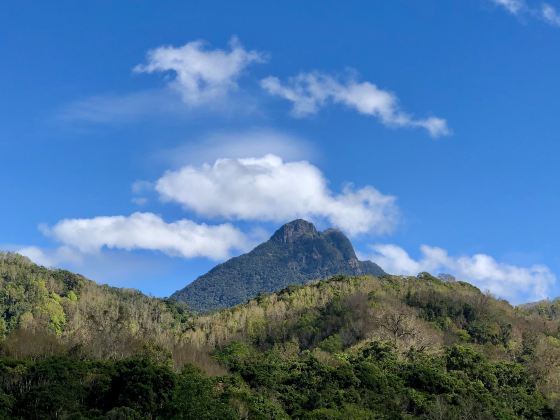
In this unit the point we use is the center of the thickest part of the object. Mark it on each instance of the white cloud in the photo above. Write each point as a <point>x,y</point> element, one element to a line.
<point>515,283</point>
<point>148,231</point>
<point>311,91</point>
<point>512,6</point>
<point>201,75</point>
<point>550,14</point>
<point>270,189</point>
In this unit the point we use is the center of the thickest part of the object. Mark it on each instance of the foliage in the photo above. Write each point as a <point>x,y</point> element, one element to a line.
<point>64,387</point>
<point>376,381</point>
<point>347,347</point>
<point>98,321</point>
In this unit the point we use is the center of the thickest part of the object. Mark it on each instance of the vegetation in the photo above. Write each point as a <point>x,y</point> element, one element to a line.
<point>46,312</point>
<point>373,382</point>
<point>548,309</point>
<point>133,388</point>
<point>348,347</point>
<point>296,254</point>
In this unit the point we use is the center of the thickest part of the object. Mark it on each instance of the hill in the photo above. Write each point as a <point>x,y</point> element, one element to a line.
<point>296,254</point>
<point>427,343</point>
<point>348,347</point>
<point>44,310</point>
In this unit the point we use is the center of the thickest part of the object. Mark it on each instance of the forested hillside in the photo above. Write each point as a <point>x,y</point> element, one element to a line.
<point>44,310</point>
<point>347,347</point>
<point>548,309</point>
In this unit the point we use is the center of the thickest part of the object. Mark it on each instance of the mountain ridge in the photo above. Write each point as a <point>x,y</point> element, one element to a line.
<point>296,253</point>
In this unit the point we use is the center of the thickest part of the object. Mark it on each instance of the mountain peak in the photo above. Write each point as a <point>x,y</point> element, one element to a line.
<point>296,254</point>
<point>294,230</point>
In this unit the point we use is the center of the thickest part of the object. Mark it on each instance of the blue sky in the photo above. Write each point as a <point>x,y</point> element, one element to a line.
<point>142,143</point>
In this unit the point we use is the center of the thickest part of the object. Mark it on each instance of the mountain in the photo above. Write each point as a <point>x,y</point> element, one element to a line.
<point>296,254</point>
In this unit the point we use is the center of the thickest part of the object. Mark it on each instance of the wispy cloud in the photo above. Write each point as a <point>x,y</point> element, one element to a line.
<point>198,80</point>
<point>122,108</point>
<point>140,189</point>
<point>153,105</point>
<point>309,92</point>
<point>545,11</point>
<point>201,75</point>
<point>550,14</point>
<point>270,189</point>
<point>239,144</point>
<point>515,283</point>
<point>512,6</point>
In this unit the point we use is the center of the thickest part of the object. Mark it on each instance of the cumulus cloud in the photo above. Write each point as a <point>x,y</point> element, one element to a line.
<point>550,14</point>
<point>200,74</point>
<point>512,6</point>
<point>147,231</point>
<point>515,283</point>
<point>309,92</point>
<point>270,189</point>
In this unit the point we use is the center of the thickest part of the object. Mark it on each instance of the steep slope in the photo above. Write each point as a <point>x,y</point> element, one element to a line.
<point>296,254</point>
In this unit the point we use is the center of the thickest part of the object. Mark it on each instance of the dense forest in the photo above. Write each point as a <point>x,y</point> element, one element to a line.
<point>346,347</point>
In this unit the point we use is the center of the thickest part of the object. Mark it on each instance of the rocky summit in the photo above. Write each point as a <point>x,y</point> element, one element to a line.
<point>297,253</point>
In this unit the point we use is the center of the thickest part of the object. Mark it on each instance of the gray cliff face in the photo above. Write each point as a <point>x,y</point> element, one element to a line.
<point>294,231</point>
<point>296,254</point>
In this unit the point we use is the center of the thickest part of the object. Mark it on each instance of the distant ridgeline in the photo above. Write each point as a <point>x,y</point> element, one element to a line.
<point>296,254</point>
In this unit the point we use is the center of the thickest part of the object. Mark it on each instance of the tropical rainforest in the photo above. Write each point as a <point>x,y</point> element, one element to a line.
<point>347,347</point>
